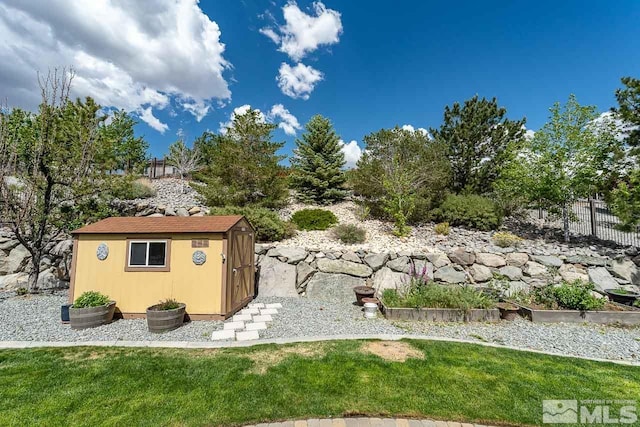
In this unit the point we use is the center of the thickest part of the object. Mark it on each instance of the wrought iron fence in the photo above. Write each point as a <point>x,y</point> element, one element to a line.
<point>591,218</point>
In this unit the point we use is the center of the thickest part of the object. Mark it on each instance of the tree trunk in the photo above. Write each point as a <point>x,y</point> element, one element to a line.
<point>32,284</point>
<point>565,222</point>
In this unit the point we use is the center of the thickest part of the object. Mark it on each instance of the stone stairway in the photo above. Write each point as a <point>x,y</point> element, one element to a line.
<point>246,324</point>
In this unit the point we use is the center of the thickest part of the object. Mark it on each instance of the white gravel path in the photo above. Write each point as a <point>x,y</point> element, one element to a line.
<point>37,318</point>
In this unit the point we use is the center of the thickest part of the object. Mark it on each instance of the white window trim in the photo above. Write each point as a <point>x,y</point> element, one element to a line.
<point>166,245</point>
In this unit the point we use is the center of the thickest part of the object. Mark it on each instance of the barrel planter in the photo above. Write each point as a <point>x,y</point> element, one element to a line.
<point>90,317</point>
<point>165,320</point>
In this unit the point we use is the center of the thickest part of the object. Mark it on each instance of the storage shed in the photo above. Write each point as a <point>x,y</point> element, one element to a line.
<point>206,262</point>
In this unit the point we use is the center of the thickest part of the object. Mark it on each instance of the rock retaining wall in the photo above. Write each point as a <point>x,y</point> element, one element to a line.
<point>293,271</point>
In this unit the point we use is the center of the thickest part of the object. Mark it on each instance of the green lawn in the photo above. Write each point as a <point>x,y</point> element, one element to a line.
<point>120,386</point>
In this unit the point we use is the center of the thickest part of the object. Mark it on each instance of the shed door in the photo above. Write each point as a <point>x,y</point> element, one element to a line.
<point>241,274</point>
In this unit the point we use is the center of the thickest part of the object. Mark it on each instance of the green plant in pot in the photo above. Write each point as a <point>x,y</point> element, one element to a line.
<point>91,309</point>
<point>165,316</point>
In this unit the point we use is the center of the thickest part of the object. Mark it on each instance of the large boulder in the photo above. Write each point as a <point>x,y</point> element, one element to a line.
<point>480,273</point>
<point>376,261</point>
<point>333,287</point>
<point>351,257</point>
<point>326,265</point>
<point>11,282</point>
<point>422,267</point>
<point>15,261</point>
<point>490,260</point>
<point>625,269</point>
<point>385,278</point>
<point>516,286</point>
<point>548,260</point>
<point>401,264</point>
<point>511,272</point>
<point>303,272</point>
<point>602,279</point>
<point>587,260</point>
<point>182,212</point>
<point>517,259</point>
<point>449,274</point>
<point>534,269</point>
<point>462,257</point>
<point>292,255</point>
<point>438,259</point>
<point>7,243</point>
<point>571,273</point>
<point>48,279</point>
<point>277,279</point>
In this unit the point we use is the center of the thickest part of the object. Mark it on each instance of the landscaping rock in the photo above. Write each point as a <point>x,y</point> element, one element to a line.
<point>511,272</point>
<point>194,210</point>
<point>438,259</point>
<point>480,273</point>
<point>385,278</point>
<point>422,267</point>
<point>48,279</point>
<point>490,260</point>
<point>625,269</point>
<point>376,261</point>
<point>548,260</point>
<point>351,257</point>
<point>602,279</point>
<point>333,287</point>
<point>169,212</point>
<point>515,287</point>
<point>533,269</point>
<point>291,255</point>
<point>182,212</point>
<point>462,257</point>
<point>11,282</point>
<point>15,261</point>
<point>303,272</point>
<point>341,266</point>
<point>261,249</point>
<point>277,279</point>
<point>587,260</point>
<point>571,273</point>
<point>401,264</point>
<point>6,244</point>
<point>449,274</point>
<point>517,259</point>
<point>63,248</point>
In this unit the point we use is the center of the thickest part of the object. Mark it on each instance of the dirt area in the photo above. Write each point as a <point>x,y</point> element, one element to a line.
<point>393,351</point>
<point>264,359</point>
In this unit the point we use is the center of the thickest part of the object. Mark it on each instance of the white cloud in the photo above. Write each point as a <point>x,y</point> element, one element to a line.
<point>352,153</point>
<point>289,123</point>
<point>298,81</point>
<point>138,56</point>
<point>303,33</point>
<point>146,115</point>
<point>412,129</point>
<point>238,111</point>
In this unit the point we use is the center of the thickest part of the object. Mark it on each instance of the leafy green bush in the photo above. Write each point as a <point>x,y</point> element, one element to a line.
<point>91,299</point>
<point>168,304</point>
<point>418,293</point>
<point>574,295</point>
<point>504,239</point>
<point>314,219</point>
<point>126,189</point>
<point>469,210</point>
<point>350,233</point>
<point>268,225</point>
<point>442,228</point>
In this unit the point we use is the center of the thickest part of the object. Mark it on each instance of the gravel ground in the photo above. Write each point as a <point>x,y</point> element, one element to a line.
<point>37,318</point>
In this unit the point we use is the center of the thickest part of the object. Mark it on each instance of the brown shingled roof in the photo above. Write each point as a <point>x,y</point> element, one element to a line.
<point>166,224</point>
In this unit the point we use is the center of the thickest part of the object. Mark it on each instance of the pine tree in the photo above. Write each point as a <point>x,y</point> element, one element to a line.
<point>318,161</point>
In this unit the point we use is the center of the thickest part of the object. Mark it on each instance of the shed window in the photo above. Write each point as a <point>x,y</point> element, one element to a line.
<point>148,253</point>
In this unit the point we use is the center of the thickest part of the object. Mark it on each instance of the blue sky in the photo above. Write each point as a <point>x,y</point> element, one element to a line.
<point>382,63</point>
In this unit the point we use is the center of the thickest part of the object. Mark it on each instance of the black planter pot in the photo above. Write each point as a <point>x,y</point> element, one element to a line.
<point>91,317</point>
<point>625,297</point>
<point>165,320</point>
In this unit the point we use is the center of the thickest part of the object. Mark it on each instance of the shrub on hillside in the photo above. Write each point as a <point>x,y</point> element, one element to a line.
<point>470,211</point>
<point>268,225</point>
<point>350,234</point>
<point>504,239</point>
<point>126,189</point>
<point>442,228</point>
<point>314,219</point>
<point>576,295</point>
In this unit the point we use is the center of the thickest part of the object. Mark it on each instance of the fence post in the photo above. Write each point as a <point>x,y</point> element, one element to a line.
<point>594,224</point>
<point>540,215</point>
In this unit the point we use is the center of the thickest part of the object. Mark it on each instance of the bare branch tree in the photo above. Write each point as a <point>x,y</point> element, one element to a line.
<point>186,160</point>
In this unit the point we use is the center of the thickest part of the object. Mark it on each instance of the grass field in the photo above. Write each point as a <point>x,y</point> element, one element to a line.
<point>122,386</point>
